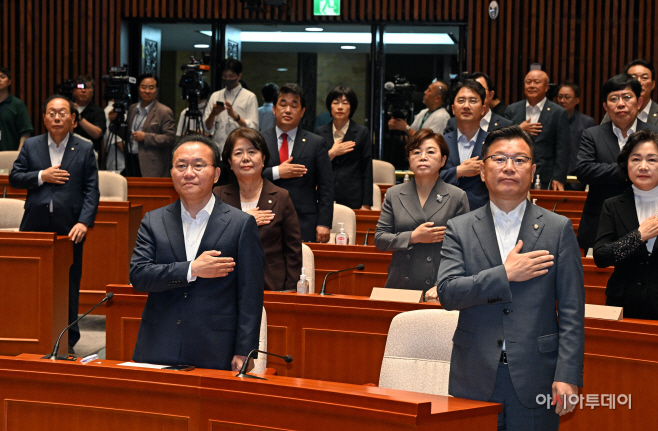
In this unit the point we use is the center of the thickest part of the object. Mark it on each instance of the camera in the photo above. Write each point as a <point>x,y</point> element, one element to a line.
<point>66,88</point>
<point>192,83</point>
<point>118,88</point>
<point>398,98</point>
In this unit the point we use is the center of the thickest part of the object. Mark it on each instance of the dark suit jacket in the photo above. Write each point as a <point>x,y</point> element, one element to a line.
<point>552,145</point>
<point>475,189</point>
<point>415,266</point>
<point>155,150</point>
<point>597,166</point>
<point>312,194</point>
<point>496,123</point>
<point>352,171</point>
<point>651,119</point>
<point>75,201</point>
<point>540,348</point>
<point>206,322</point>
<point>637,267</point>
<point>578,123</point>
<point>281,238</point>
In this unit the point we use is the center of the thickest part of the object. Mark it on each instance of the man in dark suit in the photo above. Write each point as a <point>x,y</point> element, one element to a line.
<point>201,261</point>
<point>645,73</point>
<point>153,132</point>
<point>350,150</point>
<point>462,168</point>
<point>600,146</point>
<point>490,121</point>
<point>504,266</point>
<point>548,123</point>
<point>568,97</point>
<point>60,174</point>
<point>300,164</point>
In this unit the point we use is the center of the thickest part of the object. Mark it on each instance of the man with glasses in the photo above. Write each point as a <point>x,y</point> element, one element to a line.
<point>433,117</point>
<point>645,73</point>
<point>152,132</point>
<point>600,146</point>
<point>201,262</point>
<point>462,168</point>
<point>568,97</point>
<point>548,124</point>
<point>60,174</point>
<point>504,266</point>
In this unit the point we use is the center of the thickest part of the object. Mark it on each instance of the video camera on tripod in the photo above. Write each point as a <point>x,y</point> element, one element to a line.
<point>398,99</point>
<point>118,86</point>
<point>192,86</point>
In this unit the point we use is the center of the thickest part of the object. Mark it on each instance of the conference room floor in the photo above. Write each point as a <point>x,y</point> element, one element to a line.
<point>92,337</point>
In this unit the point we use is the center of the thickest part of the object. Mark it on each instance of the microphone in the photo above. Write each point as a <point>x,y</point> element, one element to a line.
<point>243,370</point>
<point>53,355</point>
<point>558,203</point>
<point>389,86</point>
<point>366,241</point>
<point>359,267</point>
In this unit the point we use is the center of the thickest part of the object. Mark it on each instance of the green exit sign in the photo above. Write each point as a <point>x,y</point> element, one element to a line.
<point>326,7</point>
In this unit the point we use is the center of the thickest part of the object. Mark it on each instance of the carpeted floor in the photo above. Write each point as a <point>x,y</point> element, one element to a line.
<point>92,337</point>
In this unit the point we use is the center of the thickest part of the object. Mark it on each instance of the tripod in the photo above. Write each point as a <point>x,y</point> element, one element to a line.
<point>119,132</point>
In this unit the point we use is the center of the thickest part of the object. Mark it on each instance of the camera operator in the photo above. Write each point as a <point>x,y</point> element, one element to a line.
<point>230,107</point>
<point>434,117</point>
<point>91,121</point>
<point>203,99</point>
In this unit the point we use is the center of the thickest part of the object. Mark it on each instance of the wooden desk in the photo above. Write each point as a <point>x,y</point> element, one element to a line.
<point>366,220</point>
<point>151,193</point>
<point>34,291</point>
<point>575,201</point>
<point>45,395</point>
<point>10,192</point>
<point>342,338</point>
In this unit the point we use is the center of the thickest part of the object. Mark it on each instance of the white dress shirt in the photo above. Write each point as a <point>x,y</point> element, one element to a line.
<point>533,112</point>
<point>291,141</point>
<point>644,114</point>
<point>465,146</point>
<point>646,205</point>
<point>507,227</point>
<point>243,102</point>
<point>620,138</point>
<point>56,156</point>
<point>484,122</point>
<point>436,120</point>
<point>193,230</point>
<point>339,134</point>
<point>138,125</point>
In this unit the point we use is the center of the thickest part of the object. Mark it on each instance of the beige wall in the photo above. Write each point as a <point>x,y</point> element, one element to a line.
<point>350,70</point>
<point>259,68</point>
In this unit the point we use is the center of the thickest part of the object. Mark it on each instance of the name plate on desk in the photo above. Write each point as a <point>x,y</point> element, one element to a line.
<point>397,295</point>
<point>604,312</point>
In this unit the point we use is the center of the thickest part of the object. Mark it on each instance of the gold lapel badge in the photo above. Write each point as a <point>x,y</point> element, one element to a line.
<point>536,226</point>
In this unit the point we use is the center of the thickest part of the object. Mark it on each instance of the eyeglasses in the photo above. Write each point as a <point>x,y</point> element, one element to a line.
<point>62,114</point>
<point>517,161</point>
<point>197,167</point>
<point>463,100</point>
<point>616,99</point>
<point>565,97</point>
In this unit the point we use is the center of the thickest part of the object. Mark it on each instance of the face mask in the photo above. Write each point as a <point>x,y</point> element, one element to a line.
<point>229,83</point>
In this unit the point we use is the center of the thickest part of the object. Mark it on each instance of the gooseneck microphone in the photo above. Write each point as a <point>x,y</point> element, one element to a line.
<point>366,241</point>
<point>359,267</point>
<point>243,370</point>
<point>558,203</point>
<point>53,355</point>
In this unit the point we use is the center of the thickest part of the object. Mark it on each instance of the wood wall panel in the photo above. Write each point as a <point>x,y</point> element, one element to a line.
<point>582,40</point>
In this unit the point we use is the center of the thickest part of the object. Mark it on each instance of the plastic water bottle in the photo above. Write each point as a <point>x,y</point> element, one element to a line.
<point>302,284</point>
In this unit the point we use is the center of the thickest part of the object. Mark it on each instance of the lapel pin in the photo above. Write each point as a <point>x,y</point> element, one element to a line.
<point>439,198</point>
<point>72,148</point>
<point>655,115</point>
<point>536,226</point>
<point>495,124</point>
<point>303,140</point>
<point>269,202</point>
<point>548,109</point>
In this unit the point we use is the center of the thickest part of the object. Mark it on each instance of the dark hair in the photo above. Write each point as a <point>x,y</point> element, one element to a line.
<point>421,136</point>
<point>507,133</point>
<point>6,72</point>
<point>269,92</point>
<point>295,90</point>
<point>231,64</point>
<point>202,140</point>
<point>637,138</point>
<point>339,92</point>
<point>250,135</point>
<point>57,96</point>
<point>144,76</point>
<point>575,87</point>
<point>87,79</point>
<point>643,63</point>
<point>621,82</point>
<point>472,85</point>
<point>476,75</point>
<point>75,114</point>
<point>205,91</point>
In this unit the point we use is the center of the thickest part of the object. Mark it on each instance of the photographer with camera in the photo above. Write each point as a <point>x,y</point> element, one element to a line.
<point>91,121</point>
<point>434,117</point>
<point>230,107</point>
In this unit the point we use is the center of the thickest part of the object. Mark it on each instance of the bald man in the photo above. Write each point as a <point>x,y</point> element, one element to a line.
<point>548,124</point>
<point>433,117</point>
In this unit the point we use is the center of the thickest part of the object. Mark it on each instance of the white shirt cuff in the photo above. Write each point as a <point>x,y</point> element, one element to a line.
<point>189,274</point>
<point>39,180</point>
<point>275,173</point>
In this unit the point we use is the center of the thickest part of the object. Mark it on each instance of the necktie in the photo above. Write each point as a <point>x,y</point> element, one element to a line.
<point>283,151</point>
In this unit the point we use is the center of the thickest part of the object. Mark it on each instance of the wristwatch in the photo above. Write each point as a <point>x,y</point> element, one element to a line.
<point>407,128</point>
<point>238,119</point>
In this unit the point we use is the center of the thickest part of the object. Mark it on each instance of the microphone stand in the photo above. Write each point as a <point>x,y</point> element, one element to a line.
<point>359,267</point>
<point>366,241</point>
<point>243,370</point>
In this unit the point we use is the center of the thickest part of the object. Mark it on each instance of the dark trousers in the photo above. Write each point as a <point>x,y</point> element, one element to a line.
<point>132,168</point>
<point>515,416</point>
<point>75,274</point>
<point>636,302</point>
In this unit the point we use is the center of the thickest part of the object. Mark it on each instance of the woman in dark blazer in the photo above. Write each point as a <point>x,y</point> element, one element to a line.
<point>627,231</point>
<point>246,153</point>
<point>350,150</point>
<point>414,216</point>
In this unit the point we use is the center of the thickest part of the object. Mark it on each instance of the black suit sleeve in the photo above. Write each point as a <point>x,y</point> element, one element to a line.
<point>590,171</point>
<point>610,249</point>
<point>325,179</point>
<point>562,147</point>
<point>366,168</point>
<point>291,237</point>
<point>21,177</point>
<point>92,193</point>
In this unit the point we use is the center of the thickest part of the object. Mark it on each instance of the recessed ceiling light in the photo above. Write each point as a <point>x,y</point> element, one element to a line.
<point>348,47</point>
<point>206,32</point>
<point>314,29</point>
<point>201,45</point>
<point>282,69</point>
<point>345,37</point>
